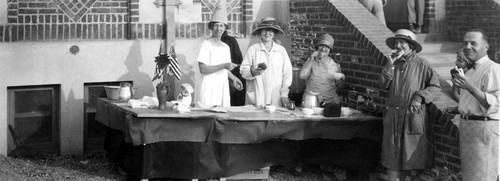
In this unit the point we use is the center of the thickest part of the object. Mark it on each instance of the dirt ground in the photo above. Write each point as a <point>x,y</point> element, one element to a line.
<point>92,166</point>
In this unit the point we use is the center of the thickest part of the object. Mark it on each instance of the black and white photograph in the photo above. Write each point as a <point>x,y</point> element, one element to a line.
<point>249,90</point>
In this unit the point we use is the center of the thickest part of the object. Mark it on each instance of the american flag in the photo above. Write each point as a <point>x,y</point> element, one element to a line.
<point>174,64</point>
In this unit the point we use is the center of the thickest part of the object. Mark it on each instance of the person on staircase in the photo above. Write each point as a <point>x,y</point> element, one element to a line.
<point>412,84</point>
<point>415,15</point>
<point>376,7</point>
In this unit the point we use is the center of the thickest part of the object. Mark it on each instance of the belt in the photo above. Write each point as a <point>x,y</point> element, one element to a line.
<point>477,118</point>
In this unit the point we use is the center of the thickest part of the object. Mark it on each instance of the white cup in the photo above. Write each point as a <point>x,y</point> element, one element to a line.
<point>338,76</point>
<point>270,108</point>
<point>345,111</point>
<point>244,67</point>
<point>308,111</point>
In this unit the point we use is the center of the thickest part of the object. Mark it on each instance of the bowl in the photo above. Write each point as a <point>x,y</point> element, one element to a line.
<point>112,92</point>
<point>318,110</point>
<point>345,111</point>
<point>308,111</point>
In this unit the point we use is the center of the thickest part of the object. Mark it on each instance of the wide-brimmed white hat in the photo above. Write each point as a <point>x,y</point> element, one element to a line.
<point>220,12</point>
<point>268,22</point>
<point>404,34</point>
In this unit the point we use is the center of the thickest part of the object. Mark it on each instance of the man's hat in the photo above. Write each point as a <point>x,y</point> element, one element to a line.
<point>268,22</point>
<point>404,34</point>
<point>325,39</point>
<point>220,12</point>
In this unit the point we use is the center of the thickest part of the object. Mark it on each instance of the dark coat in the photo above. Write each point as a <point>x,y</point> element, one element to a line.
<point>406,142</point>
<point>237,97</point>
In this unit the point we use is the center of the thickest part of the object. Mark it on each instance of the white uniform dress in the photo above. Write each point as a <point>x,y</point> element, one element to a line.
<point>273,84</point>
<point>214,88</point>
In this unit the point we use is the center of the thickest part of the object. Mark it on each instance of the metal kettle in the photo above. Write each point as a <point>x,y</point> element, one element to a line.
<point>125,91</point>
<point>311,99</point>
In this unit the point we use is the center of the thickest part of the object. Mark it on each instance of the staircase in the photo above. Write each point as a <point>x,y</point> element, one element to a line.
<point>441,54</point>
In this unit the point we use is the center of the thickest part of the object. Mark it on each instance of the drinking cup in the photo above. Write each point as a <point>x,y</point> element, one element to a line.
<point>291,105</point>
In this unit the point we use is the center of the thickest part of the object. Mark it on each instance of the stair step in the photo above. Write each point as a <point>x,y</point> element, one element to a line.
<point>439,58</point>
<point>443,71</point>
<point>446,46</point>
<point>431,37</point>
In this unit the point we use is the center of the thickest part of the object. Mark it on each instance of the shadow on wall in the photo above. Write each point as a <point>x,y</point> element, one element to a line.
<point>142,80</point>
<point>62,130</point>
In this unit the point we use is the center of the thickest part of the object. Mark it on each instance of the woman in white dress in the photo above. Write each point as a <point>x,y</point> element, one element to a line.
<point>215,65</point>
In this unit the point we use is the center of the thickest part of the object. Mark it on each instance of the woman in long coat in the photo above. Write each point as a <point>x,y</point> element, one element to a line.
<point>412,85</point>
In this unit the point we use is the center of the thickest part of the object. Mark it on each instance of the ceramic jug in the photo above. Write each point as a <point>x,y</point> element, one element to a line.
<point>125,91</point>
<point>311,99</point>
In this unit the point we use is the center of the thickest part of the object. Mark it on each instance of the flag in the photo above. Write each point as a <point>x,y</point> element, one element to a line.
<point>174,64</point>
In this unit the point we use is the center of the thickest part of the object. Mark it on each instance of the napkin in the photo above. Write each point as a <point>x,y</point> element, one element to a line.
<point>145,102</point>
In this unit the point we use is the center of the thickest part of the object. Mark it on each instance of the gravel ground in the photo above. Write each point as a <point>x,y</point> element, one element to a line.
<point>93,166</point>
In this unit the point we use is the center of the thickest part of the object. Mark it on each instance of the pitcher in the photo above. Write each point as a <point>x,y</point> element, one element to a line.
<point>125,91</point>
<point>311,99</point>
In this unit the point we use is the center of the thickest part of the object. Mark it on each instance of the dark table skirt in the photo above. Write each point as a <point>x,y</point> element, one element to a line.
<point>213,159</point>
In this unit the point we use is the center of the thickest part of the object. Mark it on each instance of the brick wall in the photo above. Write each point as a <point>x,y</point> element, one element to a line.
<point>446,139</point>
<point>464,14</point>
<point>43,20</point>
<point>361,44</point>
<point>429,16</point>
<point>239,16</point>
<point>36,20</point>
<point>360,40</point>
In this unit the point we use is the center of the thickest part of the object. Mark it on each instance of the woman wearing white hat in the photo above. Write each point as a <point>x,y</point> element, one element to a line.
<point>321,72</point>
<point>215,65</point>
<point>412,84</point>
<point>267,68</point>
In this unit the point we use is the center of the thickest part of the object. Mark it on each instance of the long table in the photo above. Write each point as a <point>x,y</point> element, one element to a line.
<point>151,143</point>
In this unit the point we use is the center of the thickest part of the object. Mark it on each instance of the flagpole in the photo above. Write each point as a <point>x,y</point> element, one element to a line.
<point>168,37</point>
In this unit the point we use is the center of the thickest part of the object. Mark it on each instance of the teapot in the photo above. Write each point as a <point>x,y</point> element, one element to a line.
<point>311,99</point>
<point>125,91</point>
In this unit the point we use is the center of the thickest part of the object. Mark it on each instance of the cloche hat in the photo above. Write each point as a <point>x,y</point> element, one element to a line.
<point>220,12</point>
<point>325,39</point>
<point>268,22</point>
<point>404,34</point>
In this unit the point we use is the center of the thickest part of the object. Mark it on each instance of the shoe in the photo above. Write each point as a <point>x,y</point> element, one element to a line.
<point>418,30</point>
<point>413,29</point>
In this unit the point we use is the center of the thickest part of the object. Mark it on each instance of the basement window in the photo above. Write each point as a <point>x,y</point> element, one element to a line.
<point>33,119</point>
<point>94,132</point>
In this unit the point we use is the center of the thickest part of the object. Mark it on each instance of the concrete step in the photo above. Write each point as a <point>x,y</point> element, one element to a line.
<point>431,37</point>
<point>441,55</point>
<point>444,72</point>
<point>442,46</point>
<point>437,58</point>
